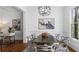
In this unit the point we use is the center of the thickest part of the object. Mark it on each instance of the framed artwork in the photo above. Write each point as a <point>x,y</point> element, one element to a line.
<point>16,24</point>
<point>46,23</point>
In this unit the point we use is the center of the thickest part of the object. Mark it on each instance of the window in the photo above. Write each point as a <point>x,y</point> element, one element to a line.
<point>75,23</point>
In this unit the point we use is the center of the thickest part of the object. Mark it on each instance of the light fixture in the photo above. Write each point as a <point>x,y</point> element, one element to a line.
<point>44,10</point>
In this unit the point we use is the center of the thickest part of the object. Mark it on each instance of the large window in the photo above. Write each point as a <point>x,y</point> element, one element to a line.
<point>75,23</point>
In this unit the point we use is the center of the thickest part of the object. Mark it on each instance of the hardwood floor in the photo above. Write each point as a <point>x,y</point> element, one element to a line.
<point>71,50</point>
<point>18,46</point>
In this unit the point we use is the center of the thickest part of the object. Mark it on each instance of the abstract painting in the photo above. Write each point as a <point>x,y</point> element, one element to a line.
<point>16,23</point>
<point>46,23</point>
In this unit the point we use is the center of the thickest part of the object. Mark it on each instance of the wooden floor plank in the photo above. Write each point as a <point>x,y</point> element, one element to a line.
<point>18,46</point>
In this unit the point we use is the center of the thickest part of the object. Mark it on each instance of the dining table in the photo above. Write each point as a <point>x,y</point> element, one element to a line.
<point>3,36</point>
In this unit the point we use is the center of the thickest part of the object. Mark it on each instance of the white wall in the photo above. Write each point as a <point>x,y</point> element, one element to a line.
<point>7,14</point>
<point>67,20</point>
<point>73,43</point>
<point>30,20</point>
<point>25,23</point>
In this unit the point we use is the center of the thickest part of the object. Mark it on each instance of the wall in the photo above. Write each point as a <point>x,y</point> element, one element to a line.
<point>30,20</point>
<point>67,20</point>
<point>73,43</point>
<point>8,13</point>
<point>25,23</point>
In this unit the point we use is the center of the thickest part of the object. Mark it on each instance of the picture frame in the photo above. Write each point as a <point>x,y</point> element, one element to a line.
<point>16,24</point>
<point>46,23</point>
